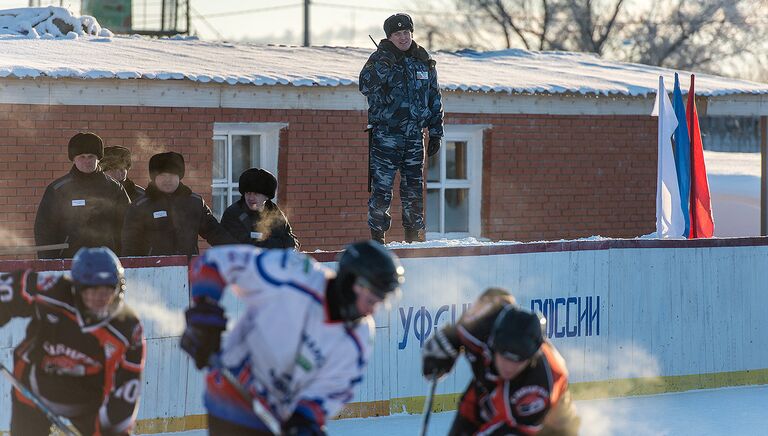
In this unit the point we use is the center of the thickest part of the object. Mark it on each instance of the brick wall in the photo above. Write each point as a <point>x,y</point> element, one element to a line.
<point>545,177</point>
<point>561,177</point>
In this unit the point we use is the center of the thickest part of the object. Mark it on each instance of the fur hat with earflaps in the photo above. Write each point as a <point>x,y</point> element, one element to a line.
<point>115,157</point>
<point>85,143</point>
<point>258,181</point>
<point>396,23</point>
<point>168,162</point>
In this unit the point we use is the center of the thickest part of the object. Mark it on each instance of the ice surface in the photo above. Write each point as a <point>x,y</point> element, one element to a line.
<point>726,411</point>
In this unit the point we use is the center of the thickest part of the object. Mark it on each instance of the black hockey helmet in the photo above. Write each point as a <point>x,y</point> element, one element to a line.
<point>371,265</point>
<point>517,333</point>
<point>97,266</point>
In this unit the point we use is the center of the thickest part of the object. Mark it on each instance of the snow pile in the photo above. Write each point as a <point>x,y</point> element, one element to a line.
<point>47,23</point>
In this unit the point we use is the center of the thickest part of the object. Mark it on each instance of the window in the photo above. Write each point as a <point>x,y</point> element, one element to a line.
<point>454,180</point>
<point>237,147</point>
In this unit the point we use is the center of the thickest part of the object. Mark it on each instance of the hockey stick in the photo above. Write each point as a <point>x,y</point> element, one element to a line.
<point>428,405</point>
<point>55,420</point>
<point>264,414</point>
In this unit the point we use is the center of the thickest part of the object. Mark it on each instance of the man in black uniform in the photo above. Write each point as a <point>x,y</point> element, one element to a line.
<point>254,218</point>
<point>168,218</point>
<point>85,208</point>
<point>83,353</point>
<point>520,383</point>
<point>116,163</point>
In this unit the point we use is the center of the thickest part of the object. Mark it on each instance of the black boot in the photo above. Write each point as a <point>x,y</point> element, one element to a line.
<point>377,236</point>
<point>413,235</point>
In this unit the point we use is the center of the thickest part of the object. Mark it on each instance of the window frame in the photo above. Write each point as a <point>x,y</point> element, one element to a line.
<point>269,145</point>
<point>472,134</point>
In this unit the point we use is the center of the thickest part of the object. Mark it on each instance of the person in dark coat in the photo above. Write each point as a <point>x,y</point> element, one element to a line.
<point>85,208</point>
<point>169,217</point>
<point>254,219</point>
<point>116,163</point>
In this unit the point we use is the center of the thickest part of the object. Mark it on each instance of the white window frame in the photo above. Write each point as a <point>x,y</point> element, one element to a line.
<point>472,134</point>
<point>269,144</point>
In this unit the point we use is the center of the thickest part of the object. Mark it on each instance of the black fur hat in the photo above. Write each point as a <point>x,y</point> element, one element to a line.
<point>398,22</point>
<point>85,143</point>
<point>168,162</point>
<point>258,181</point>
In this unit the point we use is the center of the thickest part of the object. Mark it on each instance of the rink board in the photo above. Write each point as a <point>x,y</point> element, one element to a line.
<point>630,317</point>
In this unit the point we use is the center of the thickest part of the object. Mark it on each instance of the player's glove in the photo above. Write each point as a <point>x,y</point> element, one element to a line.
<point>438,355</point>
<point>301,425</point>
<point>434,145</point>
<point>202,337</point>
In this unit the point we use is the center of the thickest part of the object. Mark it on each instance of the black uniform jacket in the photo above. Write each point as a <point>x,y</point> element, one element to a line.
<point>80,366</point>
<point>84,210</point>
<point>134,191</point>
<point>268,228</point>
<point>160,224</point>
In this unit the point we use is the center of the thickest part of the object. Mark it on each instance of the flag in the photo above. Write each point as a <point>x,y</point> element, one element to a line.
<point>669,216</point>
<point>702,223</point>
<point>682,150</point>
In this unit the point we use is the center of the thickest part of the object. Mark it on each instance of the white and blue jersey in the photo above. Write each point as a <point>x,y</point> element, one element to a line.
<point>284,349</point>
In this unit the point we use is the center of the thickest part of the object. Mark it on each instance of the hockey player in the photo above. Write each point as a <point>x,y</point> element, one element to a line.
<point>83,353</point>
<point>520,383</point>
<point>303,341</point>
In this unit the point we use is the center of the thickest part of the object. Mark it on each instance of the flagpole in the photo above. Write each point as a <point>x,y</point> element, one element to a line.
<point>693,185</point>
<point>659,163</point>
<point>763,175</point>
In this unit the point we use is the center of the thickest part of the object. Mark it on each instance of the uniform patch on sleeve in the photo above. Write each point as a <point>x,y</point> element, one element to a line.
<point>46,280</point>
<point>137,335</point>
<point>530,400</point>
<point>422,75</point>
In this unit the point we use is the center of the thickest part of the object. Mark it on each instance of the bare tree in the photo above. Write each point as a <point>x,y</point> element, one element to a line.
<point>709,35</point>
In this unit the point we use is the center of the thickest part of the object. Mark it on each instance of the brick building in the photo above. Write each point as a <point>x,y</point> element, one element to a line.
<point>538,145</point>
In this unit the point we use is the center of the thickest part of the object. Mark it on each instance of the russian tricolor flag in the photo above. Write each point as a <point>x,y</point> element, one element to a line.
<point>683,204</point>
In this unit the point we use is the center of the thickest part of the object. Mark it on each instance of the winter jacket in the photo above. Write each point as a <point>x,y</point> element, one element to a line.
<point>160,224</point>
<point>84,210</point>
<point>402,90</point>
<point>267,229</point>
<point>134,191</point>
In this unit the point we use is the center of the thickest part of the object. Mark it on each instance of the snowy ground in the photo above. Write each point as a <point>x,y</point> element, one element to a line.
<point>737,411</point>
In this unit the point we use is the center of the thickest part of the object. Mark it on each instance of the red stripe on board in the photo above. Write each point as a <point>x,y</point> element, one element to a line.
<point>64,264</point>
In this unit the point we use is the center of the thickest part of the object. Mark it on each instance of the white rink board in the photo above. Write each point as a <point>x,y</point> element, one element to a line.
<point>661,312</point>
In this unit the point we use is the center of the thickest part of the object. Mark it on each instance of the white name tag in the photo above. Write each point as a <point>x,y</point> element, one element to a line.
<point>76,203</point>
<point>422,75</point>
<point>255,235</point>
<point>160,214</point>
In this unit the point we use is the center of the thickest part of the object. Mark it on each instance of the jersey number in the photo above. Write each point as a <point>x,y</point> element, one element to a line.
<point>6,290</point>
<point>129,391</point>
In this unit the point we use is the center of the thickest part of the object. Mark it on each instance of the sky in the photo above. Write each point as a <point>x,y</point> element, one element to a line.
<point>332,22</point>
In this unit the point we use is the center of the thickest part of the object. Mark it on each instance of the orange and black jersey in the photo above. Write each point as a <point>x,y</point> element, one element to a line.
<point>496,406</point>
<point>80,366</point>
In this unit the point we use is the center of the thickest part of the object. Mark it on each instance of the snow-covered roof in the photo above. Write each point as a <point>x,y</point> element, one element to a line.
<point>506,71</point>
